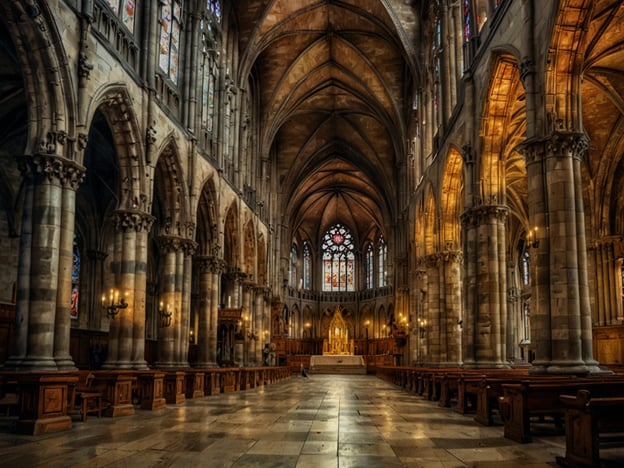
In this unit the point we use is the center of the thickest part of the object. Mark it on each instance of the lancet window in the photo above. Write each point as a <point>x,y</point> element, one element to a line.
<point>382,252</point>
<point>125,11</point>
<point>307,266</point>
<point>292,270</point>
<point>170,32</point>
<point>369,266</point>
<point>211,42</point>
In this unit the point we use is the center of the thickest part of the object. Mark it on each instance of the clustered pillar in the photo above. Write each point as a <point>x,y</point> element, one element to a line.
<point>44,272</point>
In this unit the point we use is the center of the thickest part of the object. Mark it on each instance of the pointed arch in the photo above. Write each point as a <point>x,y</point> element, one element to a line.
<point>231,238</point>
<point>430,228</point>
<point>115,103</point>
<point>207,209</point>
<point>452,201</point>
<point>171,195</point>
<point>497,128</point>
<point>50,98</point>
<point>249,250</point>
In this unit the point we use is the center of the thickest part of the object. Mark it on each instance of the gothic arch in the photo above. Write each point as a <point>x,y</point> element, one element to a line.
<point>451,201</point>
<point>249,250</point>
<point>430,227</point>
<point>504,93</point>
<point>115,103</point>
<point>231,238</point>
<point>51,101</point>
<point>207,209</point>
<point>563,76</point>
<point>171,195</point>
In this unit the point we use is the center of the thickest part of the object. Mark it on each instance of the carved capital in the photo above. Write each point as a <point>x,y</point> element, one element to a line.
<point>133,220</point>
<point>568,145</point>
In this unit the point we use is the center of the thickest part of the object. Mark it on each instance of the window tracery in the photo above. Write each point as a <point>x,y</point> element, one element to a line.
<point>382,260</point>
<point>338,259</point>
<point>307,266</point>
<point>170,31</point>
<point>369,266</point>
<point>125,10</point>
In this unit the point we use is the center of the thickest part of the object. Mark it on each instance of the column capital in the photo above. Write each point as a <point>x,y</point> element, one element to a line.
<point>557,144</point>
<point>54,168</point>
<point>478,215</point>
<point>126,220</point>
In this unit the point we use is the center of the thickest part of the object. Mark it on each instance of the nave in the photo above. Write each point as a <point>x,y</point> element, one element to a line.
<point>320,421</point>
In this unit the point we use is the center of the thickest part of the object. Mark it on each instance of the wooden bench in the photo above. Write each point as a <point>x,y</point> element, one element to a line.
<point>530,399</point>
<point>590,423</point>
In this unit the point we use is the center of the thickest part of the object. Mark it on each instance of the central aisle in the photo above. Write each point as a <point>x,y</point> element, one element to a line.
<point>320,421</point>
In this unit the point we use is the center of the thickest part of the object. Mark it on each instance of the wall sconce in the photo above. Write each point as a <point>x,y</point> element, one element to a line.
<point>253,335</point>
<point>115,303</point>
<point>422,323</point>
<point>531,238</point>
<point>366,324</point>
<point>460,323</point>
<point>165,315</point>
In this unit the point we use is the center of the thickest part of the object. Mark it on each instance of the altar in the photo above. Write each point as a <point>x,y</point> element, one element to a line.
<point>337,341</point>
<point>338,351</point>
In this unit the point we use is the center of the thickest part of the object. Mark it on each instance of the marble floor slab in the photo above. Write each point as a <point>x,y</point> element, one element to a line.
<point>323,421</point>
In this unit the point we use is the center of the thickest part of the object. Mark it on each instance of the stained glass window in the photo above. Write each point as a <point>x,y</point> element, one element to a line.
<point>211,38</point>
<point>125,11</point>
<point>292,272</point>
<point>214,7</point>
<point>369,267</point>
<point>467,19</point>
<point>75,277</point>
<point>338,259</point>
<point>307,266</point>
<point>383,256</point>
<point>170,25</point>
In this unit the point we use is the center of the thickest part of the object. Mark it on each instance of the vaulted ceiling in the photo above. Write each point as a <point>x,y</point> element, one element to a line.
<point>335,79</point>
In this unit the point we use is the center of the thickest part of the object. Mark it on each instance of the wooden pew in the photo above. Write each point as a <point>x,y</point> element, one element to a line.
<point>588,421</point>
<point>528,399</point>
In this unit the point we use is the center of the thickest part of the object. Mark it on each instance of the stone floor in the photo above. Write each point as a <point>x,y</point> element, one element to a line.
<point>320,421</point>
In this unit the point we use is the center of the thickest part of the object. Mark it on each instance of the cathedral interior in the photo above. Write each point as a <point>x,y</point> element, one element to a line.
<point>247,184</point>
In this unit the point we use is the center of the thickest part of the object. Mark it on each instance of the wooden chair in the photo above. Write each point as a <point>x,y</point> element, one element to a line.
<point>89,398</point>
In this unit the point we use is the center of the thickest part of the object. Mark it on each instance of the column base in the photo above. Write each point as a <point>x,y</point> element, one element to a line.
<point>35,363</point>
<point>65,363</point>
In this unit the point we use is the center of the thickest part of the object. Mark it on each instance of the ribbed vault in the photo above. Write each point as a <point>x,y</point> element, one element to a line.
<point>335,82</point>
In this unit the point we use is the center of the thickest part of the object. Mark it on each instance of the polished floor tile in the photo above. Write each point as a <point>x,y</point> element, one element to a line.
<point>324,421</point>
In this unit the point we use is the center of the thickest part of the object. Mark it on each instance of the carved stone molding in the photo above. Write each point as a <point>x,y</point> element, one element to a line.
<point>53,168</point>
<point>479,215</point>
<point>133,220</point>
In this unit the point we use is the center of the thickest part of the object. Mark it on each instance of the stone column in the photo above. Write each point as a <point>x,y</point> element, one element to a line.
<point>248,288</point>
<point>422,314</point>
<point>218,266</point>
<point>185,274</point>
<point>608,282</point>
<point>451,261</point>
<point>560,311</point>
<point>143,225</point>
<point>484,323</point>
<point>258,328</point>
<point>169,301</point>
<point>432,310</point>
<point>42,268</point>
<point>130,253</point>
<point>72,177</point>
<point>205,304</point>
